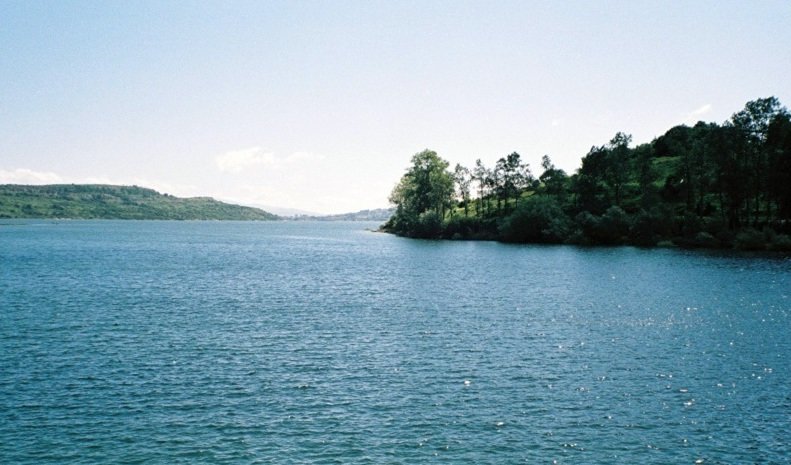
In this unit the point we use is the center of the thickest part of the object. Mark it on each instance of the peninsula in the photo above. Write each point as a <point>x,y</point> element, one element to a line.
<point>711,185</point>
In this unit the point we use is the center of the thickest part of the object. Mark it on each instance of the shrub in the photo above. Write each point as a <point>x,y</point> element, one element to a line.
<point>611,228</point>
<point>704,239</point>
<point>781,242</point>
<point>750,239</point>
<point>538,219</point>
<point>645,229</point>
<point>461,227</point>
<point>428,225</point>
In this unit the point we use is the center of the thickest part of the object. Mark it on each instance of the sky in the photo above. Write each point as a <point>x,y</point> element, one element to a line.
<point>319,106</point>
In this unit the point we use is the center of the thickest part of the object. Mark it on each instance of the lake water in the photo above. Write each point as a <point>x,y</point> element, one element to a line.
<point>300,342</point>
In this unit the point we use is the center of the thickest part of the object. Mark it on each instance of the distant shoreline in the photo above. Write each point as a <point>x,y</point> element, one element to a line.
<point>112,202</point>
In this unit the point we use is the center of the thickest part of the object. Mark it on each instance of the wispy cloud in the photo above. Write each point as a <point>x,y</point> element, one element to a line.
<point>694,116</point>
<point>237,160</point>
<point>26,176</point>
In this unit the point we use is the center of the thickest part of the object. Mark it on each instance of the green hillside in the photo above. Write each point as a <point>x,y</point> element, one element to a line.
<point>96,201</point>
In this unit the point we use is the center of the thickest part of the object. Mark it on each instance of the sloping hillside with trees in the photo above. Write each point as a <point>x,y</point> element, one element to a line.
<point>711,185</point>
<point>88,201</point>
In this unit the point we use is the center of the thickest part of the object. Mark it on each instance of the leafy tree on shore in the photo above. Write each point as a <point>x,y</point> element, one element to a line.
<point>778,147</point>
<point>554,181</point>
<point>753,123</point>
<point>482,176</point>
<point>422,196</point>
<point>618,164</point>
<point>463,179</point>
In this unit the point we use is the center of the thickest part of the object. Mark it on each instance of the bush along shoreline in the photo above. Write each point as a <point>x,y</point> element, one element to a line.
<point>707,186</point>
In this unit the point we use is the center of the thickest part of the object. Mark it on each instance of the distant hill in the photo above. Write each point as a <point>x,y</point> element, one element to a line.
<point>99,201</point>
<point>285,212</point>
<point>378,214</point>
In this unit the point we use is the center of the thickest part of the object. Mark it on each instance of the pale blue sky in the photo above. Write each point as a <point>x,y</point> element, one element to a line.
<point>320,105</point>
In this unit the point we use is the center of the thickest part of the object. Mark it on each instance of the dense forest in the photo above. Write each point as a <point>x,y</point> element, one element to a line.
<point>711,185</point>
<point>87,201</point>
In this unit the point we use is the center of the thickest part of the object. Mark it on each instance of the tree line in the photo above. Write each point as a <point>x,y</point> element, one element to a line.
<point>709,185</point>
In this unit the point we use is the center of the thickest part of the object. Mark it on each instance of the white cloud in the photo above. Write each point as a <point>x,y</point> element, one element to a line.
<point>237,160</point>
<point>26,176</point>
<point>695,115</point>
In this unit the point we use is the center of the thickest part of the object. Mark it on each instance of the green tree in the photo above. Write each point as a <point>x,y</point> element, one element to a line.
<point>753,124</point>
<point>778,147</point>
<point>646,175</point>
<point>482,177</point>
<point>422,196</point>
<point>517,177</point>
<point>511,177</point>
<point>589,183</point>
<point>724,146</point>
<point>618,164</point>
<point>463,178</point>
<point>553,180</point>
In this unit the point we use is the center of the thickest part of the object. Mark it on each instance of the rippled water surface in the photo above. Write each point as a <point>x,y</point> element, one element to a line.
<point>215,342</point>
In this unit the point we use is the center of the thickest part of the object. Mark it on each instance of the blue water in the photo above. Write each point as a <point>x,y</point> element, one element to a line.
<point>215,342</point>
